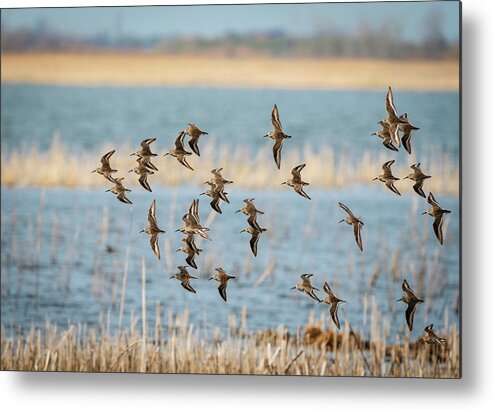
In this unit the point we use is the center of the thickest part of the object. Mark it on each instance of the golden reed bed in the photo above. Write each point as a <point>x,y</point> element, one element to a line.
<point>56,167</point>
<point>258,72</point>
<point>178,348</point>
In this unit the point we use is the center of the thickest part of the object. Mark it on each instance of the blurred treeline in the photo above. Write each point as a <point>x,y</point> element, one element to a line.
<point>383,41</point>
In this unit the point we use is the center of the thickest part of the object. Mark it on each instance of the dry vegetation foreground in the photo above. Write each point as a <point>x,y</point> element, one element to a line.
<point>178,348</point>
<point>154,69</point>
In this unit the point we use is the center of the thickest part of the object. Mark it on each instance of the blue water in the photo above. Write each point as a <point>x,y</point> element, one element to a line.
<point>88,117</point>
<point>70,276</point>
<point>71,253</point>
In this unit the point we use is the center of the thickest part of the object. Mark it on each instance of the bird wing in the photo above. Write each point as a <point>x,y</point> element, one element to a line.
<point>186,284</point>
<point>222,290</point>
<point>105,159</point>
<point>252,221</point>
<point>151,215</point>
<point>437,227</point>
<point>121,197</point>
<point>179,141</point>
<point>254,242</point>
<point>191,260</point>
<point>155,245</point>
<point>305,278</point>
<point>276,150</point>
<point>386,167</point>
<point>299,190</point>
<point>357,234</point>
<point>390,185</point>
<point>276,122</point>
<point>390,107</point>
<point>333,313</point>
<point>348,211</point>
<point>411,308</point>
<point>327,289</point>
<point>194,145</point>
<point>406,139</point>
<point>296,172</point>
<point>182,160</point>
<point>418,188</point>
<point>390,146</point>
<point>433,202</point>
<point>312,294</point>
<point>215,204</point>
<point>143,182</point>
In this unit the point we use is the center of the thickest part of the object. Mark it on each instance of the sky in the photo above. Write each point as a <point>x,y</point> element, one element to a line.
<point>211,21</point>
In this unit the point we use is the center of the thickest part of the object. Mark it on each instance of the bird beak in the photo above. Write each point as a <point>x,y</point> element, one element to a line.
<point>374,179</point>
<point>132,154</point>
<point>342,220</point>
<point>424,213</point>
<point>406,177</point>
<point>294,287</point>
<point>210,279</point>
<point>171,277</point>
<point>166,154</point>
<point>141,231</point>
<point>177,230</point>
<point>374,133</point>
<point>242,231</point>
<point>239,210</point>
<point>130,171</point>
<point>107,190</point>
<point>92,172</point>
<point>203,193</point>
<point>283,183</point>
<point>265,135</point>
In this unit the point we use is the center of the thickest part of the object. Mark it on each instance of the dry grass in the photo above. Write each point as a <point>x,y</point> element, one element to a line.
<point>178,348</point>
<point>56,167</point>
<point>171,70</point>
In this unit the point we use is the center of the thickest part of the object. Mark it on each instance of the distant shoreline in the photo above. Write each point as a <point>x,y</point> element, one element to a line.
<point>138,69</point>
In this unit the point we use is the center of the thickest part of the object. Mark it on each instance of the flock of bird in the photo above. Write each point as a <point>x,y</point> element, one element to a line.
<point>392,126</point>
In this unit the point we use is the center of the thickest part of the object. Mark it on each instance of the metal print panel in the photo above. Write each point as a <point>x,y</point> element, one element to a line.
<point>263,189</point>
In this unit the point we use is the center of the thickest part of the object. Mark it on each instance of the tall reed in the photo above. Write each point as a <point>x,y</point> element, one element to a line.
<point>57,167</point>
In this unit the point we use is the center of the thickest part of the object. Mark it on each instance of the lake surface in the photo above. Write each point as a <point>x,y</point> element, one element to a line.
<point>89,117</point>
<point>55,242</point>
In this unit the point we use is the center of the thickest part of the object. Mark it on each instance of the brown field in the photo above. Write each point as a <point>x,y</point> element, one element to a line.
<point>257,72</point>
<point>178,348</point>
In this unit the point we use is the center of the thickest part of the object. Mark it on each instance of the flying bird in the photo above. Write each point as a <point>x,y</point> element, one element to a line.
<point>184,277</point>
<point>412,301</point>
<point>120,191</point>
<point>436,212</point>
<point>387,177</point>
<point>407,128</point>
<point>419,178</point>
<point>306,286</point>
<point>255,231</point>
<point>194,132</point>
<point>357,224</point>
<point>384,133</point>
<point>296,182</point>
<point>393,120</point>
<point>277,135</point>
<point>179,152</point>
<point>105,168</point>
<point>153,230</point>
<point>334,302</point>
<point>143,170</point>
<point>222,277</point>
<point>145,153</point>
<point>432,338</point>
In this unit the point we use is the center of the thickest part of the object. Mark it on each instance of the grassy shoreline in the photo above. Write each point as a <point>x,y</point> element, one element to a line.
<point>325,169</point>
<point>178,348</point>
<point>153,69</point>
